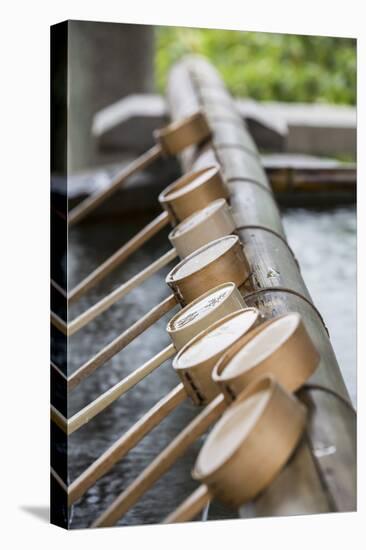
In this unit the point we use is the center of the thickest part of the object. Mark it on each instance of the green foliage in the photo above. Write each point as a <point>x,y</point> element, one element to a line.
<point>264,66</point>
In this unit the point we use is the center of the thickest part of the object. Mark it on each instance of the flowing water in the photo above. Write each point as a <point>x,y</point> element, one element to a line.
<point>325,245</point>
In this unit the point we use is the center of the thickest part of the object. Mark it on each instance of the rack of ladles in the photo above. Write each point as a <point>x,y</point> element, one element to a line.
<point>219,368</point>
<point>231,361</point>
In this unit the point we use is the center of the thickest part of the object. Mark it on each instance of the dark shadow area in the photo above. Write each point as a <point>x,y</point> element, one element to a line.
<point>40,512</point>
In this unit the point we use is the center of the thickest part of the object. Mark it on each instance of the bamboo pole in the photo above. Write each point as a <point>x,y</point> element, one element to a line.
<point>119,343</point>
<point>58,419</point>
<point>307,485</point>
<point>58,323</point>
<point>161,463</point>
<point>310,179</point>
<point>80,211</point>
<point>107,398</point>
<point>126,442</point>
<point>119,256</point>
<point>113,297</point>
<point>192,505</point>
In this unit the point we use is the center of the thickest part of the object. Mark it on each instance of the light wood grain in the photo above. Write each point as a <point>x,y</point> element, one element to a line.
<point>119,256</point>
<point>113,297</point>
<point>192,192</point>
<point>126,442</point>
<point>107,398</point>
<point>191,506</point>
<point>121,341</point>
<point>206,225</point>
<point>161,463</point>
<point>80,211</point>
<point>58,419</point>
<point>58,323</point>
<point>227,263</point>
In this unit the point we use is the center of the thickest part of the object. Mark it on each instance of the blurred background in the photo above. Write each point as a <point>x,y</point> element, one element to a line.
<point>266,66</point>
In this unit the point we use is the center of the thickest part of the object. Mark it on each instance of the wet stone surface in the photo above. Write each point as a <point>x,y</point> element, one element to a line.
<point>324,243</point>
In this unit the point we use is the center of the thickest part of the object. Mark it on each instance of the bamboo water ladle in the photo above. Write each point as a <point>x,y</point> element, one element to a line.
<point>246,449</point>
<point>191,320</point>
<point>217,262</point>
<point>186,195</point>
<point>292,350</point>
<point>171,140</point>
<point>285,342</point>
<point>205,225</point>
<point>248,317</point>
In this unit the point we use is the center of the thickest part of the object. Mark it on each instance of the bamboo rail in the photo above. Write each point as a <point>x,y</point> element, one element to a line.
<point>310,179</point>
<point>311,483</point>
